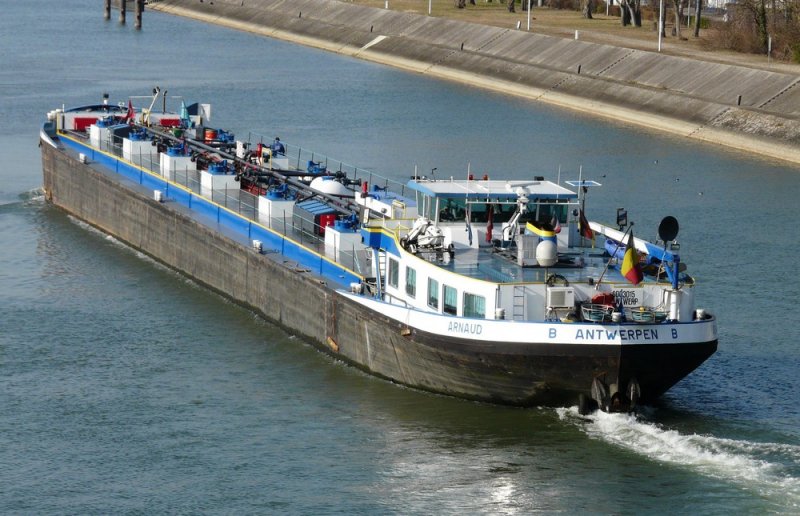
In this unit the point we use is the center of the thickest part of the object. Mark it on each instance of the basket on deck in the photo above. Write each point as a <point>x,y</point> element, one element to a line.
<point>596,313</point>
<point>648,315</point>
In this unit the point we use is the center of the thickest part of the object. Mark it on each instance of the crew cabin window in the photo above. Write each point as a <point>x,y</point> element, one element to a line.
<point>394,272</point>
<point>474,305</point>
<point>450,301</point>
<point>411,282</point>
<point>433,294</point>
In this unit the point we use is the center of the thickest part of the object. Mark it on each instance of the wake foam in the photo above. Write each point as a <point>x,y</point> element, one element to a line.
<point>771,469</point>
<point>35,196</point>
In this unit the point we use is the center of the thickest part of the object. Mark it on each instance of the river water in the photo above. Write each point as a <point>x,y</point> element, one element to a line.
<point>127,388</point>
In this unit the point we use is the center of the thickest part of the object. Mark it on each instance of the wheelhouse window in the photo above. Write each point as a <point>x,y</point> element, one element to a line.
<point>433,294</point>
<point>452,209</point>
<point>411,282</point>
<point>450,301</point>
<point>394,272</point>
<point>474,305</point>
<point>552,211</point>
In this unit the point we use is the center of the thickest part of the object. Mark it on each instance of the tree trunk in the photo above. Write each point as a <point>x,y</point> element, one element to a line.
<point>678,7</point>
<point>511,6</point>
<point>624,13</point>
<point>761,23</point>
<point>588,7</point>
<point>697,9</point>
<point>662,19</point>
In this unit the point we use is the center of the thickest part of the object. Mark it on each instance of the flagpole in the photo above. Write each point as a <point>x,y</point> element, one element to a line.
<point>608,263</point>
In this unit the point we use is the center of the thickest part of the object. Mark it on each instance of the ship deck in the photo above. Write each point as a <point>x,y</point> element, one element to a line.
<point>485,263</point>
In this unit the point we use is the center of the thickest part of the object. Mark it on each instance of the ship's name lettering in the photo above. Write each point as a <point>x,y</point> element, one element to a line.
<point>600,334</point>
<point>463,327</point>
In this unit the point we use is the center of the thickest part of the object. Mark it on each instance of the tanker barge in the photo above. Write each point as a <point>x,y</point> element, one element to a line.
<point>485,289</point>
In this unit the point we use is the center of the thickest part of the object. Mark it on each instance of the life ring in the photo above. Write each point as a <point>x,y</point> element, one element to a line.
<point>553,278</point>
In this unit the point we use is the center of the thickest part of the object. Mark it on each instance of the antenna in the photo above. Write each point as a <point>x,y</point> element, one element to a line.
<point>668,229</point>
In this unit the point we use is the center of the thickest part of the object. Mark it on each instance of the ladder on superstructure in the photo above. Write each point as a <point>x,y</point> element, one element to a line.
<point>518,313</point>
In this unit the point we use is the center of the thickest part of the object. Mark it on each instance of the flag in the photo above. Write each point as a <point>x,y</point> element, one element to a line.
<point>630,263</point>
<point>131,116</point>
<point>583,225</point>
<point>556,224</point>
<point>489,223</point>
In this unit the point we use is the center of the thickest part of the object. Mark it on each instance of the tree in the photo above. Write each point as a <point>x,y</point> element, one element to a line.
<point>758,10</point>
<point>678,8</point>
<point>697,9</point>
<point>630,12</point>
<point>511,6</point>
<point>588,7</point>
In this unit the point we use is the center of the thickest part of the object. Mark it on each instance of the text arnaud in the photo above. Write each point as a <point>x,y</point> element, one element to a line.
<point>465,327</point>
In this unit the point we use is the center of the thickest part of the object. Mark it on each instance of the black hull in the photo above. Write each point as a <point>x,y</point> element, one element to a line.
<point>531,374</point>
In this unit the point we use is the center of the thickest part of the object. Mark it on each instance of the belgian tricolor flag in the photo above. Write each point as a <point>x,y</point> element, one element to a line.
<point>583,227</point>
<point>630,263</point>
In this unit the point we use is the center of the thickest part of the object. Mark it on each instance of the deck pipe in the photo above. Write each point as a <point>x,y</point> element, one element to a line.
<point>343,206</point>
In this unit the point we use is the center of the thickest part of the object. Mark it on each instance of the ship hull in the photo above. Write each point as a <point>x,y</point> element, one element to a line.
<point>514,373</point>
<point>304,303</point>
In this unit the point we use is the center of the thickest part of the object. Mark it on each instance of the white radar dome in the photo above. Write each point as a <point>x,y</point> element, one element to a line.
<point>546,253</point>
<point>330,186</point>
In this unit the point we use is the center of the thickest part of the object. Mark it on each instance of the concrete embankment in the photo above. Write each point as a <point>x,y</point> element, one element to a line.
<point>744,108</point>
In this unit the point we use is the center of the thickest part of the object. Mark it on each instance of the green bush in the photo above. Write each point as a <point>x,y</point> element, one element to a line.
<point>704,22</point>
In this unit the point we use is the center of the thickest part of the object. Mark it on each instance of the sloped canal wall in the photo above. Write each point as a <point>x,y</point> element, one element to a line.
<point>744,108</point>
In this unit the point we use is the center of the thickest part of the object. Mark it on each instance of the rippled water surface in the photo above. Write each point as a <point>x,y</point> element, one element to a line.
<point>128,388</point>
